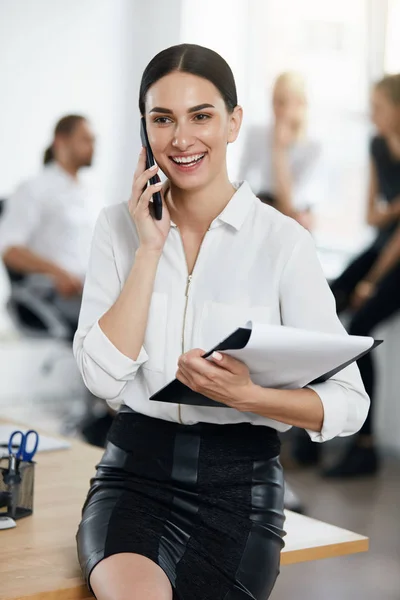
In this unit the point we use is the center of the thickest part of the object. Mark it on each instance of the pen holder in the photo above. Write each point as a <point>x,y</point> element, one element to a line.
<point>16,492</point>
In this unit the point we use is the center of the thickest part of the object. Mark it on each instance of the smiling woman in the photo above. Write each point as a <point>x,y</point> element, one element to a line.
<point>189,138</point>
<point>187,501</point>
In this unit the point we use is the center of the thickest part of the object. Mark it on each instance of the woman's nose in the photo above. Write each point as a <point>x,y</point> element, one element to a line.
<point>182,139</point>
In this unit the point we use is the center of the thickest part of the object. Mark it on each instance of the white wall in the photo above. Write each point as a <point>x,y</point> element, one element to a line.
<point>77,56</point>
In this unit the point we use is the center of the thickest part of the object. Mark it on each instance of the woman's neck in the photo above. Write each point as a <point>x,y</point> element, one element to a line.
<point>195,209</point>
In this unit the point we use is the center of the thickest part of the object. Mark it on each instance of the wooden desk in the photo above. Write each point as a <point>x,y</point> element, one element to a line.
<point>38,557</point>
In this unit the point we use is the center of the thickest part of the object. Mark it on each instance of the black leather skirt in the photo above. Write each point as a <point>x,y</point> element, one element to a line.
<point>204,502</point>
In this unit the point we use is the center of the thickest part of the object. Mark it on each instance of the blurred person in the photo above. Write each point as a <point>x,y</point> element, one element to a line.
<point>281,161</point>
<point>370,286</point>
<point>187,502</point>
<point>48,223</point>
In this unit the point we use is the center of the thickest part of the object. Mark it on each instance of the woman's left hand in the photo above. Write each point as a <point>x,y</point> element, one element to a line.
<point>222,378</point>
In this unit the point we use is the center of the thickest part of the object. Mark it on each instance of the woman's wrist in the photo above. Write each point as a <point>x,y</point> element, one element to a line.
<point>255,399</point>
<point>148,254</point>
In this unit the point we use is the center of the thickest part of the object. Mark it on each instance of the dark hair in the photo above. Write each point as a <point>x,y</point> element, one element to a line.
<point>197,60</point>
<point>65,126</point>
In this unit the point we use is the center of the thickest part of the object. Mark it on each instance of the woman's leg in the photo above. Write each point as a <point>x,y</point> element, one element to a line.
<point>362,458</point>
<point>129,577</point>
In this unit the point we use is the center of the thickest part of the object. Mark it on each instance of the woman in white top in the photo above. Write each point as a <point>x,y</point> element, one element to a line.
<point>187,501</point>
<point>281,161</point>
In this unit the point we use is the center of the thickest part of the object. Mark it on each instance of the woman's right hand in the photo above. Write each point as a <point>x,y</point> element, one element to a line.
<point>152,233</point>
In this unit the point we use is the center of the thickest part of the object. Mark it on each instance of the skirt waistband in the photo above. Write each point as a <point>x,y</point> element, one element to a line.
<point>243,438</point>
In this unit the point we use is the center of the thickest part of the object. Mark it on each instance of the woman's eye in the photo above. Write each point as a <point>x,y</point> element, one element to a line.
<point>202,117</point>
<point>162,120</point>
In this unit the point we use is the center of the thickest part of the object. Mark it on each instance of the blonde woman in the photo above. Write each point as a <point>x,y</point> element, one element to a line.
<point>281,160</point>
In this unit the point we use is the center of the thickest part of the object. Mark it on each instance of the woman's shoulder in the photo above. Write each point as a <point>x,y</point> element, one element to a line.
<point>281,232</point>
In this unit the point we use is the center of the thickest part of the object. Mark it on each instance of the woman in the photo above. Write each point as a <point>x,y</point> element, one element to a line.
<point>187,502</point>
<point>370,286</point>
<point>281,161</point>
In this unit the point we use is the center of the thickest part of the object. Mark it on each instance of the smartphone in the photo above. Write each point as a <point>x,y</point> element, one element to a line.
<point>156,205</point>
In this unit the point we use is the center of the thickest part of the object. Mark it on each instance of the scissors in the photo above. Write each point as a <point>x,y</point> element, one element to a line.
<point>22,444</point>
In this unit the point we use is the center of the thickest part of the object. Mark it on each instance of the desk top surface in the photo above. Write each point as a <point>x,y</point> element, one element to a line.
<point>38,557</point>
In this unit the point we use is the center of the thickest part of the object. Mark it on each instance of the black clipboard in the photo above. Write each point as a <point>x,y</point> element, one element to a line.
<point>176,392</point>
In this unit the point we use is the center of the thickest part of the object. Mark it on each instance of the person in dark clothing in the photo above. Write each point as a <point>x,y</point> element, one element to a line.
<point>370,285</point>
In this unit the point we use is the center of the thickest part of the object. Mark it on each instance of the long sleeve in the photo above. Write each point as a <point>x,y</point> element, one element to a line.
<point>307,302</point>
<point>104,368</point>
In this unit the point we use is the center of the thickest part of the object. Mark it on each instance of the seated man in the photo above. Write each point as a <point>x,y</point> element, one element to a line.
<point>47,224</point>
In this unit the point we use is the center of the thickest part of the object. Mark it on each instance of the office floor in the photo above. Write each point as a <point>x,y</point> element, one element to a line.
<point>370,507</point>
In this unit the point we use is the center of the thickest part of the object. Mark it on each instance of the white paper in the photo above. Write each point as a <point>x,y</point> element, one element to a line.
<point>285,357</point>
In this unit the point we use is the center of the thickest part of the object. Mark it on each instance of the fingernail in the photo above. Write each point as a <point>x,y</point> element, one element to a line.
<point>217,355</point>
<point>159,184</point>
<point>153,168</point>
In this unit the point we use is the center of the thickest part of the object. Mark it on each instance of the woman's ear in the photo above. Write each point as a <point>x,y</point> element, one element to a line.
<point>235,121</point>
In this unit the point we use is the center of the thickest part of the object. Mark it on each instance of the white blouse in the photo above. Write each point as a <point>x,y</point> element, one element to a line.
<point>305,160</point>
<point>254,263</point>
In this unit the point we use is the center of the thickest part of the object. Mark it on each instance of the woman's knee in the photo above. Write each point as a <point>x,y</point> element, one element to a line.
<point>129,576</point>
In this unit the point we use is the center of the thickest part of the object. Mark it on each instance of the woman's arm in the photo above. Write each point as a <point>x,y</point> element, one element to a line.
<point>125,322</point>
<point>108,345</point>
<point>308,303</point>
<point>378,214</point>
<point>227,380</point>
<point>339,406</point>
<point>301,408</point>
<point>106,357</point>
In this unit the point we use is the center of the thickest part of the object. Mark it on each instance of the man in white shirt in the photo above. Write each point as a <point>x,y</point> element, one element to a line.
<point>48,223</point>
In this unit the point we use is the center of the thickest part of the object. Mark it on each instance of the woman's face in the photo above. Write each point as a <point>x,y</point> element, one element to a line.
<point>189,127</point>
<point>384,114</point>
<point>288,104</point>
